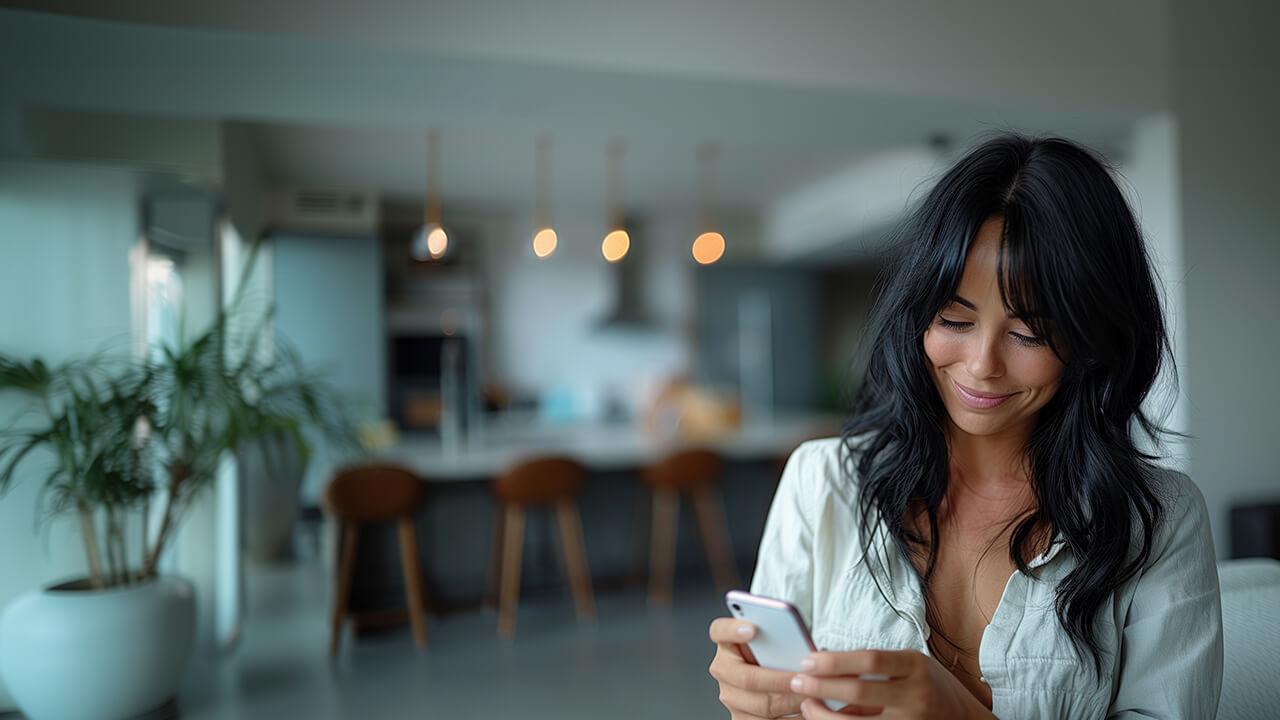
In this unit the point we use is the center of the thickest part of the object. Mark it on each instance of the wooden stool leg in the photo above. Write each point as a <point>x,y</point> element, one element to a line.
<point>350,534</point>
<point>495,561</point>
<point>412,578</point>
<point>512,546</point>
<point>575,557</point>
<point>662,556</point>
<point>715,537</point>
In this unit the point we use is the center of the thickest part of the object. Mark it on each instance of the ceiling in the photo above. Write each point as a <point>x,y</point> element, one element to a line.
<point>340,94</point>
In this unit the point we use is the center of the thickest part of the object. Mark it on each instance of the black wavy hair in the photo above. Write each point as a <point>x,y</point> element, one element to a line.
<point>1074,266</point>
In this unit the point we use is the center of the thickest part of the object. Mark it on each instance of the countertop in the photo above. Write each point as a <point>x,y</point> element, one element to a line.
<point>494,447</point>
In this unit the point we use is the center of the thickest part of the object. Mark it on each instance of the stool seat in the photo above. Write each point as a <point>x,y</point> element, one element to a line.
<point>692,473</point>
<point>376,493</point>
<point>543,481</point>
<point>685,471</point>
<point>373,493</point>
<point>547,481</point>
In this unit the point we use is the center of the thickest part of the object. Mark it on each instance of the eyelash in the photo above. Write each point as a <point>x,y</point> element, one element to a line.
<point>1024,340</point>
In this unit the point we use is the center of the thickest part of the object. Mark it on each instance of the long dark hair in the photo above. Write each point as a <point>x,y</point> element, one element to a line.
<point>1075,267</point>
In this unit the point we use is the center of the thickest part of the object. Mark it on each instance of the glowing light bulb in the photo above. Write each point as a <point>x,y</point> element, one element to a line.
<point>437,242</point>
<point>429,243</point>
<point>708,248</point>
<point>544,242</point>
<point>615,245</point>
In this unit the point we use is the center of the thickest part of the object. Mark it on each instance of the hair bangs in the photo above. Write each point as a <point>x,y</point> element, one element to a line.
<point>1032,289</point>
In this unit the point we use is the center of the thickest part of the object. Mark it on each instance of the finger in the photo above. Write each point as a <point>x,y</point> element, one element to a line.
<point>813,709</point>
<point>885,663</point>
<point>853,690</point>
<point>765,705</point>
<point>726,631</point>
<point>755,678</point>
<point>729,668</point>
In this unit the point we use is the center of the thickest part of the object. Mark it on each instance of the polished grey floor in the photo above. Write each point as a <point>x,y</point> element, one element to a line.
<point>632,663</point>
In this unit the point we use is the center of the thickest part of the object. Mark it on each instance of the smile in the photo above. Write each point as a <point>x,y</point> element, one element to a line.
<point>979,400</point>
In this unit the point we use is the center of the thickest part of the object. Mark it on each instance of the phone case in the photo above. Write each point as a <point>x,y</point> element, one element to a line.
<point>781,640</point>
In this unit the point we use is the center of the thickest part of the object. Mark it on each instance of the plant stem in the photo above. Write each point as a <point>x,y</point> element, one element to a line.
<point>120,567</point>
<point>88,534</point>
<point>177,473</point>
<point>109,540</point>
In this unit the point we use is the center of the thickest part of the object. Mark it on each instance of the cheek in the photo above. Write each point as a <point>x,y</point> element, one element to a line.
<point>938,349</point>
<point>1042,372</point>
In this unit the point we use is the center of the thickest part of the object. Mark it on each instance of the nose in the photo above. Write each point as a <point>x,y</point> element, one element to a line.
<point>985,356</point>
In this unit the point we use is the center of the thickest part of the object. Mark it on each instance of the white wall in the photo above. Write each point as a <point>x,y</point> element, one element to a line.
<point>852,209</point>
<point>328,293</point>
<point>1149,174</point>
<point>65,235</point>
<point>1227,99</point>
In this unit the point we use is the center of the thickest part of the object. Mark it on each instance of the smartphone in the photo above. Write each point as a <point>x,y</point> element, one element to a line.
<point>781,640</point>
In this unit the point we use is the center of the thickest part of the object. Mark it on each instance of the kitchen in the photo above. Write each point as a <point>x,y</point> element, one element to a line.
<point>494,355</point>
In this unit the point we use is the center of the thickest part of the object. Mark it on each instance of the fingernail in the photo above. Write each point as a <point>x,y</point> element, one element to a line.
<point>808,663</point>
<point>745,631</point>
<point>797,683</point>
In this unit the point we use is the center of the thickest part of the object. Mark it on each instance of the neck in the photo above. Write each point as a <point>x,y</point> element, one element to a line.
<point>988,476</point>
<point>997,460</point>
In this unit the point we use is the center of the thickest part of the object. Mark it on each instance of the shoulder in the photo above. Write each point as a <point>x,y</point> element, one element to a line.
<point>1183,535</point>
<point>1180,498</point>
<point>818,484</point>
<point>820,468</point>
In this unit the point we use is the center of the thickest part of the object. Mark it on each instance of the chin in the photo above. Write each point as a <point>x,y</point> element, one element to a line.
<point>978,430</point>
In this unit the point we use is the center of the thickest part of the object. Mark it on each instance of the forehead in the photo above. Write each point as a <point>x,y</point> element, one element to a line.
<point>983,262</point>
<point>990,278</point>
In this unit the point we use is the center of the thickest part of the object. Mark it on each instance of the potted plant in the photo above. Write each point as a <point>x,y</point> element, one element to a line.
<point>113,436</point>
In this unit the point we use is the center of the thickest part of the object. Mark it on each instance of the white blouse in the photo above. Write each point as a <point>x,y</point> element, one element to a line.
<point>1161,632</point>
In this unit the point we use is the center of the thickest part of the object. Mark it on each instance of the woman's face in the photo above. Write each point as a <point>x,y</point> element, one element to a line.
<point>993,373</point>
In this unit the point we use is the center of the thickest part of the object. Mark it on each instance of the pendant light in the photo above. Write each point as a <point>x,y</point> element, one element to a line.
<point>709,245</point>
<point>544,236</point>
<point>617,242</point>
<point>431,242</point>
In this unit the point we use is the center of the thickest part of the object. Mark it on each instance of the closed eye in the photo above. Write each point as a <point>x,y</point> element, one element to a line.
<point>1020,338</point>
<point>1028,340</point>
<point>953,324</point>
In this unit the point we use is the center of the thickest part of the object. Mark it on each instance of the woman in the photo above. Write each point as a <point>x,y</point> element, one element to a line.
<point>985,532</point>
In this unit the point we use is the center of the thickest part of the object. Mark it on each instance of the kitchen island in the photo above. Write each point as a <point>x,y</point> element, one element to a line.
<point>456,525</point>
<point>496,446</point>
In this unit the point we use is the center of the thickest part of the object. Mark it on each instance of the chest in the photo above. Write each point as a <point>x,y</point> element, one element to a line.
<point>965,590</point>
<point>968,581</point>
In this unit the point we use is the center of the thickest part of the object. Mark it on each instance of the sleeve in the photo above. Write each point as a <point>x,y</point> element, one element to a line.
<point>1171,644</point>
<point>784,564</point>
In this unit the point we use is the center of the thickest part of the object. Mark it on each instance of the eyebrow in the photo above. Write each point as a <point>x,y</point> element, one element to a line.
<point>1012,315</point>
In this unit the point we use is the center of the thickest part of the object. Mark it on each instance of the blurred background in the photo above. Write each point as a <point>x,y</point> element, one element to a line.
<point>147,147</point>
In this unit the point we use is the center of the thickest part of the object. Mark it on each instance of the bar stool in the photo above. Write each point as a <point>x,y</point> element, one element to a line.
<point>551,482</point>
<point>694,474</point>
<point>364,494</point>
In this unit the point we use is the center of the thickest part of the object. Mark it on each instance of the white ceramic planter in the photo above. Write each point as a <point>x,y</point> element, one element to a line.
<point>106,654</point>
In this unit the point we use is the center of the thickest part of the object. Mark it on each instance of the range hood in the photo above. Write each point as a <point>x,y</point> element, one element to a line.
<point>630,311</point>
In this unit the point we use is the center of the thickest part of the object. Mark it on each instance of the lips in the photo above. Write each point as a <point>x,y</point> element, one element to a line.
<point>977,399</point>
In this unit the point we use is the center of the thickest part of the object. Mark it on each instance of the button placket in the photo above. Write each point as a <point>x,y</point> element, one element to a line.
<point>997,638</point>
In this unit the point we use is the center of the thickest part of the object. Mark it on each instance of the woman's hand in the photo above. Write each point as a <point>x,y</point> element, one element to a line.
<point>917,686</point>
<point>748,690</point>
